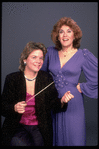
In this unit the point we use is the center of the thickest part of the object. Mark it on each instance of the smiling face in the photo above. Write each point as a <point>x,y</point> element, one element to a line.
<point>66,36</point>
<point>34,61</point>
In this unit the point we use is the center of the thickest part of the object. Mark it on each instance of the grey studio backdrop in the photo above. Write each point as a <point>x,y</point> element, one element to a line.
<point>33,21</point>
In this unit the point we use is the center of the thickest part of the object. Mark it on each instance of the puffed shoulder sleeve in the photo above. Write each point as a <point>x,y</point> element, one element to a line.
<point>90,69</point>
<point>46,62</point>
<point>47,59</point>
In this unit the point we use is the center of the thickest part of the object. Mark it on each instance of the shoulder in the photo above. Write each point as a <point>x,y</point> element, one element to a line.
<point>51,49</point>
<point>87,54</point>
<point>14,75</point>
<point>88,57</point>
<point>45,76</point>
<point>85,51</point>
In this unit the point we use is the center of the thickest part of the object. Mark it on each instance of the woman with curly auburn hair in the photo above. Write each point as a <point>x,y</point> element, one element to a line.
<point>75,28</point>
<point>65,62</point>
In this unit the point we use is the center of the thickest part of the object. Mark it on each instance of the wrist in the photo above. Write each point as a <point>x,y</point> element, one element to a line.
<point>79,88</point>
<point>15,109</point>
<point>62,101</point>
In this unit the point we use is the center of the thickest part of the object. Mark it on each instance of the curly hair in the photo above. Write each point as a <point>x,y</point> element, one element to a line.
<point>30,46</point>
<point>73,25</point>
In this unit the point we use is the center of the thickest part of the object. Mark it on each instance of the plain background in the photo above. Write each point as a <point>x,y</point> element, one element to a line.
<point>33,21</point>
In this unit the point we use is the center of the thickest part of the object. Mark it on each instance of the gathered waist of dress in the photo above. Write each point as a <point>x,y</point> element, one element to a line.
<point>62,82</point>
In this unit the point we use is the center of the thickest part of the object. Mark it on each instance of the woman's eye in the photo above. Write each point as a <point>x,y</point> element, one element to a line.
<point>34,57</point>
<point>61,31</point>
<point>41,58</point>
<point>69,31</point>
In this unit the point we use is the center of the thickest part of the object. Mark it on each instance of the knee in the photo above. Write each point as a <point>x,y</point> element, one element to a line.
<point>16,141</point>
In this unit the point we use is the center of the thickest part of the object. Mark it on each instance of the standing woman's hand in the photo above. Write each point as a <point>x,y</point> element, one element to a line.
<point>78,87</point>
<point>20,107</point>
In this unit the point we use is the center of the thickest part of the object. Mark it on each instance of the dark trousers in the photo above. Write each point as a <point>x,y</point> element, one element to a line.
<point>27,136</point>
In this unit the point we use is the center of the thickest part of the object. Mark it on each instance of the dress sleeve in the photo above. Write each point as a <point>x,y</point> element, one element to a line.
<point>46,61</point>
<point>90,69</point>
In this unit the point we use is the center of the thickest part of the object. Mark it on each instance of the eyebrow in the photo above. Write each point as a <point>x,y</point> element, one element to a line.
<point>36,55</point>
<point>67,29</point>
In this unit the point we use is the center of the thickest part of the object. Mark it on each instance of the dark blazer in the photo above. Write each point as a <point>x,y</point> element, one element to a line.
<point>15,91</point>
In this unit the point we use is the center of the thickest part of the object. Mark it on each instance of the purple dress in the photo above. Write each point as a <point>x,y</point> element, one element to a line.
<point>69,124</point>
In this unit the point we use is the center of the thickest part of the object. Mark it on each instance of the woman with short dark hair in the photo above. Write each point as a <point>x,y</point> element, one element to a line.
<point>27,104</point>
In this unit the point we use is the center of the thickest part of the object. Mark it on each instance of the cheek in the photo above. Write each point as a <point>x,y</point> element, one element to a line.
<point>59,38</point>
<point>42,63</point>
<point>72,37</point>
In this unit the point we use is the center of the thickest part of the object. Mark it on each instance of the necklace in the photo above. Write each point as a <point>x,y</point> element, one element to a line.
<point>63,53</point>
<point>71,52</point>
<point>29,79</point>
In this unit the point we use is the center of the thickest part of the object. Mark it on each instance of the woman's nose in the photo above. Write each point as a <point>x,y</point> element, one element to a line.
<point>38,60</point>
<point>65,34</point>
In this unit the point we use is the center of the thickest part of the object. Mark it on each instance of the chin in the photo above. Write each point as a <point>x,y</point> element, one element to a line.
<point>37,69</point>
<point>66,45</point>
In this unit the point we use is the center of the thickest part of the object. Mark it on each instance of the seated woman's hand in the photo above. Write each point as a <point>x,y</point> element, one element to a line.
<point>20,107</point>
<point>67,97</point>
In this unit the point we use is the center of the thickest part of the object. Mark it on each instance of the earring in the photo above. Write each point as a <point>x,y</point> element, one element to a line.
<point>25,63</point>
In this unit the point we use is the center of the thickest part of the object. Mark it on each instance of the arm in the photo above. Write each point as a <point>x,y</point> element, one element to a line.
<point>10,97</point>
<point>46,62</point>
<point>90,69</point>
<point>7,102</point>
<point>55,102</point>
